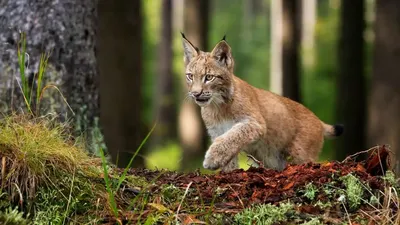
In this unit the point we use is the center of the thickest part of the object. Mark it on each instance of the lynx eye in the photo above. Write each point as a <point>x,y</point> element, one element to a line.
<point>209,78</point>
<point>189,76</point>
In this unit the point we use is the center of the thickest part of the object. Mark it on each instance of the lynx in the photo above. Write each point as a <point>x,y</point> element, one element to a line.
<point>239,117</point>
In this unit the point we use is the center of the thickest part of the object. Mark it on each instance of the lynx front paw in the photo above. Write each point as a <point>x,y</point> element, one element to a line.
<point>211,164</point>
<point>213,160</point>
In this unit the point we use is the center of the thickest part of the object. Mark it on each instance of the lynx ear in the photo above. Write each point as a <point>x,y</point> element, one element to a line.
<point>189,50</point>
<point>222,53</point>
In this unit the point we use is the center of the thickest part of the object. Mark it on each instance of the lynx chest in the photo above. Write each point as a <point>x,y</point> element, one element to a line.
<point>219,129</point>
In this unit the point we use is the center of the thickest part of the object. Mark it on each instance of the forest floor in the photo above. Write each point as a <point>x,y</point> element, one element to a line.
<point>47,178</point>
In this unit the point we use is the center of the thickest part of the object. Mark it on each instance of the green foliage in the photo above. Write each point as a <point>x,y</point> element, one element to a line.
<point>12,217</point>
<point>354,190</point>
<point>49,207</point>
<point>265,214</point>
<point>310,191</point>
<point>156,158</point>
<point>390,177</point>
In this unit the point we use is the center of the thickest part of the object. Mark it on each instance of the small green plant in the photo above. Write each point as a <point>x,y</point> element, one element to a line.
<point>27,90</point>
<point>13,217</point>
<point>354,190</point>
<point>390,178</point>
<point>313,221</point>
<point>323,205</point>
<point>171,193</point>
<point>265,214</point>
<point>310,191</point>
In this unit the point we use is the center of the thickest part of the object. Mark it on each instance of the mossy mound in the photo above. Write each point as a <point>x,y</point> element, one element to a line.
<point>47,178</point>
<point>46,174</point>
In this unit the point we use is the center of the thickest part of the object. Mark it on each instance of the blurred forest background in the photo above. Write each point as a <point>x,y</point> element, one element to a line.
<point>119,64</point>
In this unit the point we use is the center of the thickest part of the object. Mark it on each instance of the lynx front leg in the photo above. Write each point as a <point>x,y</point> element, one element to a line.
<point>228,145</point>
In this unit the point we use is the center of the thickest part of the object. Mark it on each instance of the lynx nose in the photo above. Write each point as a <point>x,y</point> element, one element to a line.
<point>197,94</point>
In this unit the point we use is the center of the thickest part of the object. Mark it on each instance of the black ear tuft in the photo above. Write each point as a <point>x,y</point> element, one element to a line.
<point>183,35</point>
<point>224,38</point>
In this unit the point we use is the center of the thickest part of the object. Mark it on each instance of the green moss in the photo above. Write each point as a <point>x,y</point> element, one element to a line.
<point>313,221</point>
<point>354,190</point>
<point>137,181</point>
<point>48,170</point>
<point>265,214</point>
<point>171,194</point>
<point>323,205</point>
<point>310,191</point>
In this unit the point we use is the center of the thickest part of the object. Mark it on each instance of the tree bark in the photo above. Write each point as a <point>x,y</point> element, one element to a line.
<point>120,64</point>
<point>384,101</point>
<point>192,133</point>
<point>165,109</point>
<point>67,30</point>
<point>351,96</point>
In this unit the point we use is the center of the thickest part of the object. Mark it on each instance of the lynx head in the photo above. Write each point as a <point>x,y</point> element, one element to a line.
<point>209,74</point>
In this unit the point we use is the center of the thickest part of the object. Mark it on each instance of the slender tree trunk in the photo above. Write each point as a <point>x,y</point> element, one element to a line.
<point>119,57</point>
<point>350,97</point>
<point>291,14</point>
<point>285,48</point>
<point>276,47</point>
<point>164,101</point>
<point>192,132</point>
<point>384,102</point>
<point>309,19</point>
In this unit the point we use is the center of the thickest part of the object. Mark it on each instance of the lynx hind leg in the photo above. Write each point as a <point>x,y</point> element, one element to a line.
<point>305,150</point>
<point>232,165</point>
<point>272,158</point>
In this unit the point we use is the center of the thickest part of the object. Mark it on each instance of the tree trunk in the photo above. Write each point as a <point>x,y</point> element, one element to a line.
<point>291,14</point>
<point>67,30</point>
<point>276,47</point>
<point>384,102</point>
<point>350,97</point>
<point>285,47</point>
<point>192,132</point>
<point>309,19</point>
<point>119,57</point>
<point>164,101</point>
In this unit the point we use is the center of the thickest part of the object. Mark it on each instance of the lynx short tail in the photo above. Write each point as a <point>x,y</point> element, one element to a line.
<point>331,131</point>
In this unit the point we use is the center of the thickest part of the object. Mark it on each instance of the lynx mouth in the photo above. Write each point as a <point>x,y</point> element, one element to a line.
<point>202,100</point>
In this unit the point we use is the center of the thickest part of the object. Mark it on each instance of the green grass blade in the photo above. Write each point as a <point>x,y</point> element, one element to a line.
<point>113,203</point>
<point>144,190</point>
<point>25,99</point>
<point>62,96</point>
<point>21,52</point>
<point>122,178</point>
<point>44,58</point>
